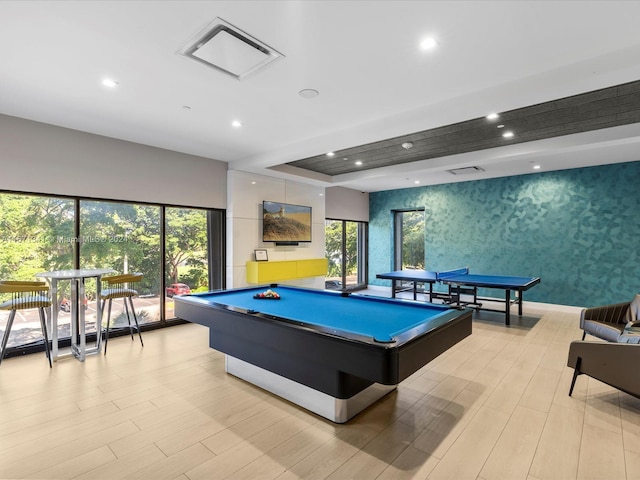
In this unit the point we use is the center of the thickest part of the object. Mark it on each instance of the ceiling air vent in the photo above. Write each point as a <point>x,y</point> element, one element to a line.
<point>465,170</point>
<point>228,49</point>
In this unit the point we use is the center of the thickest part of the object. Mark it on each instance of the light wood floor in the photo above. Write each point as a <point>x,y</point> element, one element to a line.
<point>493,407</point>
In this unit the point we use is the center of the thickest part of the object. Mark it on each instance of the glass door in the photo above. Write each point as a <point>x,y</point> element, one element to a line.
<point>345,249</point>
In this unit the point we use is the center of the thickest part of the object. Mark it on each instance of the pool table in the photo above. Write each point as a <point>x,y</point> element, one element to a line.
<point>330,352</point>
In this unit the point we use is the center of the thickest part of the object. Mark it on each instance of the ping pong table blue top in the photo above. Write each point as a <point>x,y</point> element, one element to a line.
<point>463,277</point>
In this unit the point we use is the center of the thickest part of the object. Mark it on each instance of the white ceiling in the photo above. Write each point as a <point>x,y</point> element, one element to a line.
<point>362,56</point>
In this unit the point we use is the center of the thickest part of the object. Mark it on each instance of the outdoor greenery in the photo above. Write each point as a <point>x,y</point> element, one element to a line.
<point>186,244</point>
<point>125,237</point>
<point>333,248</point>
<point>33,231</point>
<point>413,239</point>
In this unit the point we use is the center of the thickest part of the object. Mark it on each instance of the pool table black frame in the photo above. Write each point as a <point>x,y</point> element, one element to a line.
<point>338,364</point>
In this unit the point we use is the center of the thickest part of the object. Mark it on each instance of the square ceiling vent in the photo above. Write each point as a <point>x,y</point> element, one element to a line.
<point>228,49</point>
<point>465,170</point>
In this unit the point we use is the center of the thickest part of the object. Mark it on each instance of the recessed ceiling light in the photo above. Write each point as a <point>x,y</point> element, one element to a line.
<point>407,145</point>
<point>236,123</point>
<point>308,93</point>
<point>508,134</point>
<point>358,162</point>
<point>500,126</point>
<point>253,183</point>
<point>345,158</point>
<point>536,167</point>
<point>417,182</point>
<point>428,43</point>
<point>108,82</point>
<point>493,116</point>
<point>330,154</point>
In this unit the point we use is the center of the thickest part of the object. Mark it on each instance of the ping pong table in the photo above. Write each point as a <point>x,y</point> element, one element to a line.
<point>460,282</point>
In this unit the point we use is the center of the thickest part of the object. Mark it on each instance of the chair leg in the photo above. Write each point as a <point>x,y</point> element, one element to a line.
<point>43,323</point>
<point>106,337</point>
<point>99,331</point>
<point>126,309</point>
<point>103,303</point>
<point>5,337</point>
<point>576,372</point>
<point>584,334</point>
<point>136,320</point>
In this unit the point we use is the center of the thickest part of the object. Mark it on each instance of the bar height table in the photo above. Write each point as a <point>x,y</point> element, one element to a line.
<point>78,327</point>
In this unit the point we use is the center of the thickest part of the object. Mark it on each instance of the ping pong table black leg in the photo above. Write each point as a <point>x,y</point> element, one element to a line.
<point>430,292</point>
<point>519,303</point>
<point>415,290</point>
<point>393,289</point>
<point>507,304</point>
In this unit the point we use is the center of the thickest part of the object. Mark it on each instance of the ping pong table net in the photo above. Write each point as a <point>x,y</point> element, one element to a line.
<point>452,273</point>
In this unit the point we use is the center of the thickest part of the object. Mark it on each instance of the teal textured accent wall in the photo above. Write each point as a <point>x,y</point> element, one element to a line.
<point>578,230</point>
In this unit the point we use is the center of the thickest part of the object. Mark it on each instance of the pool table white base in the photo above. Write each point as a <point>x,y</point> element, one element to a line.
<point>335,409</point>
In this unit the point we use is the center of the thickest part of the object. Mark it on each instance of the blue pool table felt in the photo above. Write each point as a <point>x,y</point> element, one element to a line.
<point>378,318</point>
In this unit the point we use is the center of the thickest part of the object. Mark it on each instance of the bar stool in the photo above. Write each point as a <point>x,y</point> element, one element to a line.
<point>25,295</point>
<point>118,287</point>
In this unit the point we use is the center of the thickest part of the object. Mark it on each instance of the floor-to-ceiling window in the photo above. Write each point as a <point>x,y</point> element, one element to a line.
<point>345,249</point>
<point>409,239</point>
<point>186,253</point>
<point>42,233</point>
<point>36,234</point>
<point>126,238</point>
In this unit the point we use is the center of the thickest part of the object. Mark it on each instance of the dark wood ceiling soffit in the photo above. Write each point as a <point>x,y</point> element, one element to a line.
<point>607,107</point>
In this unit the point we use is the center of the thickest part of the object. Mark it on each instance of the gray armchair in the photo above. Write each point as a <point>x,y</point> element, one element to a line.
<point>611,363</point>
<point>609,322</point>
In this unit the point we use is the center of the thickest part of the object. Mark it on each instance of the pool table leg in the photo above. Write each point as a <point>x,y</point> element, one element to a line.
<point>335,409</point>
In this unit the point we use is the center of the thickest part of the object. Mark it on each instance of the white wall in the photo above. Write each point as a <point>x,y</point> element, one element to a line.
<point>245,194</point>
<point>347,204</point>
<point>41,158</point>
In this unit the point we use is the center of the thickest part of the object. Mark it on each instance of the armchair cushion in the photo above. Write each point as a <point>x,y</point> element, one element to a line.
<point>606,331</point>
